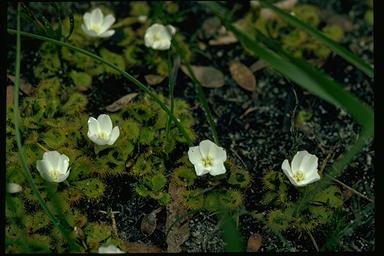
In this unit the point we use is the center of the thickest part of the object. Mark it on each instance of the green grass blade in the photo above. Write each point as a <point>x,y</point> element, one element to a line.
<point>302,73</point>
<point>16,118</point>
<point>150,92</point>
<point>347,55</point>
<point>200,96</point>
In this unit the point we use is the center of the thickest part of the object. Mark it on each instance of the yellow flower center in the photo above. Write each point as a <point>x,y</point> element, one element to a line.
<point>102,136</point>
<point>55,174</point>
<point>95,28</point>
<point>298,176</point>
<point>207,161</point>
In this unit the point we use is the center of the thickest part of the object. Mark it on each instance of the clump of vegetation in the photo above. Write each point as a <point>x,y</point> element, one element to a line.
<point>292,39</point>
<point>281,196</point>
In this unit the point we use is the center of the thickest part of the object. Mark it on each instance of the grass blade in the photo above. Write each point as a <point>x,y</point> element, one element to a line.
<point>302,73</point>
<point>150,92</point>
<point>347,55</point>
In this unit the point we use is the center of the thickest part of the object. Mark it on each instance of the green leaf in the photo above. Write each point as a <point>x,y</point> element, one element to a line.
<point>353,59</point>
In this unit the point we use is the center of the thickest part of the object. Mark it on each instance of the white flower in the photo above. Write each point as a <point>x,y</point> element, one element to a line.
<point>96,25</point>
<point>142,18</point>
<point>207,158</point>
<point>13,188</point>
<point>100,131</point>
<point>53,167</point>
<point>303,169</point>
<point>109,249</point>
<point>159,37</point>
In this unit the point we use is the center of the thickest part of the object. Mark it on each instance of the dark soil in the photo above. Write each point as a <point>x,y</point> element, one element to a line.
<point>260,140</point>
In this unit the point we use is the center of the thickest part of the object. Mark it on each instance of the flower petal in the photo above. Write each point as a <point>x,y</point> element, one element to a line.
<point>206,147</point>
<point>88,32</point>
<point>43,167</point>
<point>218,169</point>
<point>64,176</point>
<point>200,170</point>
<point>171,29</point>
<point>87,19</point>
<point>105,123</point>
<point>288,172</point>
<point>107,22</point>
<point>53,158</point>
<point>194,155</point>
<point>297,159</point>
<point>308,180</point>
<point>93,126</point>
<point>97,17</point>
<point>64,163</point>
<point>114,135</point>
<point>107,33</point>
<point>309,164</point>
<point>219,154</point>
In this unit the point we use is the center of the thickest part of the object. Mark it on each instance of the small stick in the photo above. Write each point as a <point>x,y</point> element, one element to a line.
<point>313,239</point>
<point>112,215</point>
<point>350,188</point>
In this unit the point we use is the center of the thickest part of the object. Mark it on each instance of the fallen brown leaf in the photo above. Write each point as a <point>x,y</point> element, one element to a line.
<point>153,79</point>
<point>132,247</point>
<point>243,76</point>
<point>180,230</point>
<point>24,86</point>
<point>228,38</point>
<point>260,64</point>
<point>285,5</point>
<point>149,222</point>
<point>211,26</point>
<point>208,76</point>
<point>122,102</point>
<point>254,243</point>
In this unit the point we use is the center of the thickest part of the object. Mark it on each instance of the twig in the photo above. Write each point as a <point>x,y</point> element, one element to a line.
<point>313,239</point>
<point>350,188</point>
<point>237,155</point>
<point>112,215</point>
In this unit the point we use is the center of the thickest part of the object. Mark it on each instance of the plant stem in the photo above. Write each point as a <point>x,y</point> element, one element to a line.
<point>147,90</point>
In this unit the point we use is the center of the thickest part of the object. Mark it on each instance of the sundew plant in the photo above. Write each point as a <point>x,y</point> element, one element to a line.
<point>189,127</point>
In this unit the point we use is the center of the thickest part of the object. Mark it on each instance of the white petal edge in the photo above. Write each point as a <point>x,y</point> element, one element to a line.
<point>105,123</point>
<point>309,164</point>
<point>205,147</point>
<point>194,155</point>
<point>53,159</point>
<point>114,135</point>
<point>87,19</point>
<point>297,159</point>
<point>288,172</point>
<point>107,33</point>
<point>97,17</point>
<point>93,127</point>
<point>218,169</point>
<point>107,22</point>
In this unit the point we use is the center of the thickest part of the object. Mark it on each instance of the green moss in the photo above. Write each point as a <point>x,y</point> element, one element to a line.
<point>92,188</point>
<point>95,233</point>
<point>82,80</point>
<point>334,31</point>
<point>158,181</point>
<point>147,135</point>
<point>193,199</point>
<point>36,221</point>
<point>75,104</point>
<point>49,64</point>
<point>113,58</point>
<point>17,210</point>
<point>54,138</point>
<point>368,17</point>
<point>230,199</point>
<point>139,8</point>
<point>142,166</point>
<point>161,197</point>
<point>307,13</point>
<point>184,176</point>
<point>278,220</point>
<point>239,178</point>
